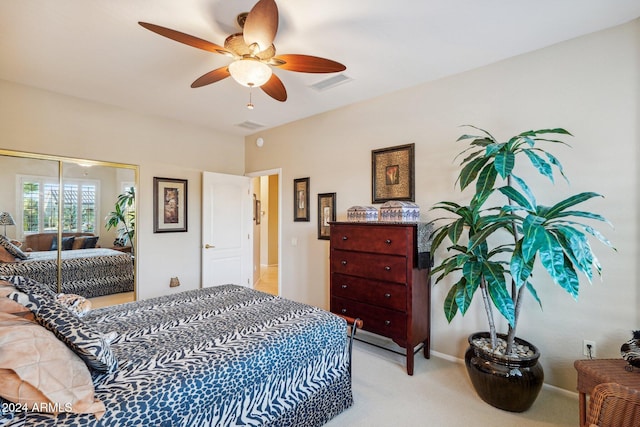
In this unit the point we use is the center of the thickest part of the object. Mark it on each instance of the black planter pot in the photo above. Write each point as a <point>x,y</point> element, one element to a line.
<point>508,383</point>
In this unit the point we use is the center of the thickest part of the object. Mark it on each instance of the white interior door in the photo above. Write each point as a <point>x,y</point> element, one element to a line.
<point>227,232</point>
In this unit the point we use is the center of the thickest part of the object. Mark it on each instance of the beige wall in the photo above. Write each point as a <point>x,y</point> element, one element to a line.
<point>588,85</point>
<point>37,121</point>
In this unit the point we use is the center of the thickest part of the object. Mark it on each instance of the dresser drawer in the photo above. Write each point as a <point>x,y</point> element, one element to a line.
<point>382,267</point>
<point>372,238</point>
<point>382,321</point>
<point>383,294</point>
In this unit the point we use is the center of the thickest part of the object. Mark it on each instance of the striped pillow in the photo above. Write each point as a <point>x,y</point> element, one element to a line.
<point>11,248</point>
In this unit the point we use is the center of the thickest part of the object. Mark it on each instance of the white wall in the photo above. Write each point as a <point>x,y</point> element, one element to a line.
<point>43,122</point>
<point>588,85</point>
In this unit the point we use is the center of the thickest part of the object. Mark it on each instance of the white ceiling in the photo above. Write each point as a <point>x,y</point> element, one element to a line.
<point>94,49</point>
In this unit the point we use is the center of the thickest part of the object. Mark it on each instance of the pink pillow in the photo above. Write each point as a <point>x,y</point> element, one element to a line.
<point>41,373</point>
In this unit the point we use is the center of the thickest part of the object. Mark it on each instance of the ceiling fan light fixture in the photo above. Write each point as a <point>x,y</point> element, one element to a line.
<point>250,72</point>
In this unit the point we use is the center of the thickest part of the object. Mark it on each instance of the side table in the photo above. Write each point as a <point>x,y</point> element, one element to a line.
<point>592,372</point>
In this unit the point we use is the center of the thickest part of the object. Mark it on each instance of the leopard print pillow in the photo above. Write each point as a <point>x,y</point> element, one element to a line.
<point>76,304</point>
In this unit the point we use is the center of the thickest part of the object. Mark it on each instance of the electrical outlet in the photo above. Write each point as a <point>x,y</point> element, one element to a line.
<point>589,348</point>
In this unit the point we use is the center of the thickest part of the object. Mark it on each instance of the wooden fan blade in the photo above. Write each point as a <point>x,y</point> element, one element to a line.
<point>275,88</point>
<point>184,38</point>
<point>212,77</point>
<point>261,25</point>
<point>306,64</point>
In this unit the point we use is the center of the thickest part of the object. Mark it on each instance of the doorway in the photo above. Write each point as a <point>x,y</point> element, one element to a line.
<point>266,187</point>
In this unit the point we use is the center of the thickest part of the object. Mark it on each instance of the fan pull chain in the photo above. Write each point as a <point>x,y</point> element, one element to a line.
<point>250,104</point>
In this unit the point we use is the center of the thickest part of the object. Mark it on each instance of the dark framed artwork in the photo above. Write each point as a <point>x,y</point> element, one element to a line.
<point>301,199</point>
<point>326,213</point>
<point>169,205</point>
<point>392,174</point>
<point>258,208</point>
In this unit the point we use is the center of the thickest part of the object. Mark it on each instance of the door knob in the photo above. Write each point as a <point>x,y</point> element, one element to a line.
<point>208,246</point>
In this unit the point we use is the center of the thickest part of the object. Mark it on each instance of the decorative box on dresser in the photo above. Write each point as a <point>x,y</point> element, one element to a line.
<point>379,276</point>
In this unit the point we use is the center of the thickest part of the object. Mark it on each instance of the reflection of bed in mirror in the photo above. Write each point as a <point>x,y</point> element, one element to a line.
<point>89,190</point>
<point>87,272</point>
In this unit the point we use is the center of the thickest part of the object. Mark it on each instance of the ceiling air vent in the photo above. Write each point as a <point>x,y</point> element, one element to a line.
<point>250,125</point>
<point>331,82</point>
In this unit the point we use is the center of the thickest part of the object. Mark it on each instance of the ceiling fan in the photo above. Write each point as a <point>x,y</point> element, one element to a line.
<point>253,53</point>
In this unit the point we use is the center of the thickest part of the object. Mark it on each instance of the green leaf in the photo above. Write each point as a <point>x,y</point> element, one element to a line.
<point>595,233</point>
<point>450,305</point>
<point>465,293</point>
<point>472,272</point>
<point>483,131</point>
<point>471,156</point>
<point>539,163</point>
<point>582,214</point>
<point>491,149</point>
<point>486,180</point>
<point>559,266</point>
<point>554,161</point>
<point>504,163</point>
<point>533,292</point>
<point>570,201</point>
<point>577,248</point>
<point>534,236</point>
<point>560,131</point>
<point>438,238</point>
<point>527,191</point>
<point>455,230</point>
<point>494,274</point>
<point>470,171</point>
<point>480,237</point>
<point>520,269</point>
<point>465,137</point>
<point>517,197</point>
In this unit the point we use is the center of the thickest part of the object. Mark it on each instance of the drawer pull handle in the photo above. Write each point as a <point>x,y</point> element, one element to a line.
<point>344,262</point>
<point>387,295</point>
<point>344,311</point>
<point>387,268</point>
<point>344,286</point>
<point>387,322</point>
<point>344,238</point>
<point>388,241</point>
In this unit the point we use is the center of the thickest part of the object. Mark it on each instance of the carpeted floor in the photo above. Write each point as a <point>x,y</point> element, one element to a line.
<point>439,394</point>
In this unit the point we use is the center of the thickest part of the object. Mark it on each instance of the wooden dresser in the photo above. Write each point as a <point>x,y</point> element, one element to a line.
<point>375,277</point>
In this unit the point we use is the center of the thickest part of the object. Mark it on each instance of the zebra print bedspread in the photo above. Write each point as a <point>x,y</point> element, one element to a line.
<point>87,272</point>
<point>219,356</point>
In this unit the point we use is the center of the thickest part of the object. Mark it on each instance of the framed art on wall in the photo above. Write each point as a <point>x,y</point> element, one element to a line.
<point>301,199</point>
<point>169,205</point>
<point>392,174</point>
<point>326,213</point>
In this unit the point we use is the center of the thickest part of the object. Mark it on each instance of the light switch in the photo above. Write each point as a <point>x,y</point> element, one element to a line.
<point>294,241</point>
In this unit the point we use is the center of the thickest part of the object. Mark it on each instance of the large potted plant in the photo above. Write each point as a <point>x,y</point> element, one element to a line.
<point>493,244</point>
<point>122,218</point>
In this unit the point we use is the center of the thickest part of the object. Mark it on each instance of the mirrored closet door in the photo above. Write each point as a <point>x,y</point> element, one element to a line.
<point>74,221</point>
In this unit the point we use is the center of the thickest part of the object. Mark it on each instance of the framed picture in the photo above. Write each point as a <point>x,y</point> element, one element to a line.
<point>258,208</point>
<point>301,199</point>
<point>169,205</point>
<point>326,213</point>
<point>392,174</point>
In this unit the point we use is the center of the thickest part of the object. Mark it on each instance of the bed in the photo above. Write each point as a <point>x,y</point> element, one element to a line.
<point>218,356</point>
<point>87,272</point>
